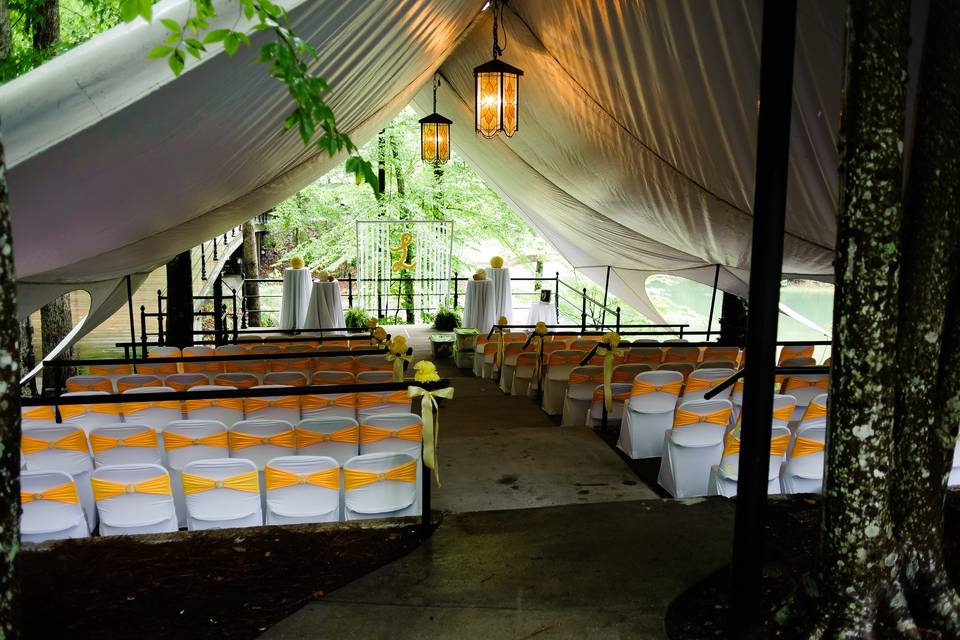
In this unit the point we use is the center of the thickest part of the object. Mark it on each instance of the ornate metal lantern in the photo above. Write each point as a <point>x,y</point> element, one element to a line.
<point>435,133</point>
<point>497,90</point>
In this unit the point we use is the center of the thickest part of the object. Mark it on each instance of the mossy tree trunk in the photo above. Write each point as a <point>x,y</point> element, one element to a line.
<point>46,26</point>
<point>251,269</point>
<point>9,421</point>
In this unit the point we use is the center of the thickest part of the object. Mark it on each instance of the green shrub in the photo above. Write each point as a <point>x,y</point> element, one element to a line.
<point>446,320</point>
<point>356,318</point>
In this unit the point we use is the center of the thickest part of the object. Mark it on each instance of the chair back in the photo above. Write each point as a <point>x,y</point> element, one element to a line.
<point>582,380</point>
<point>380,484</point>
<point>374,377</point>
<point>328,405</point>
<point>583,344</point>
<point>209,369</point>
<point>717,364</point>
<point>805,388</point>
<point>682,354</point>
<point>627,372</point>
<point>226,410</point>
<point>279,407</point>
<point>345,364</point>
<point>285,378</point>
<point>701,423</point>
<point>51,507</point>
<point>156,414</point>
<point>620,392</point>
<point>306,488</point>
<point>798,362</point>
<point>125,444</point>
<point>815,412</point>
<point>301,365</point>
<point>788,352</point>
<point>333,377</point>
<point>391,433</point>
<point>110,371</point>
<point>729,354</point>
<point>686,368</point>
<point>137,381</point>
<point>652,356</point>
<point>220,492</point>
<point>133,498</point>
<point>89,383</point>
<point>335,436</point>
<point>561,363</point>
<point>703,380</point>
<point>161,370</point>
<point>236,380</point>
<point>783,407</point>
<point>88,416</point>
<point>373,363</point>
<point>189,440</point>
<point>376,402</point>
<point>184,381</point>
<point>60,447</point>
<point>43,415</point>
<point>779,441</point>
<point>655,391</point>
<point>261,440</point>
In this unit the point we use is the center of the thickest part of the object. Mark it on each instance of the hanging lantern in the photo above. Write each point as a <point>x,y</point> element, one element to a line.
<point>497,90</point>
<point>435,133</point>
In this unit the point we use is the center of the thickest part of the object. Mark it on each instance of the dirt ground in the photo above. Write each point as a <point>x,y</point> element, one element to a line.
<point>217,584</point>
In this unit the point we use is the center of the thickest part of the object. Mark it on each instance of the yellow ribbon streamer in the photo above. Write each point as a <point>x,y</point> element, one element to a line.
<point>608,353</point>
<point>431,424</point>
<point>398,359</point>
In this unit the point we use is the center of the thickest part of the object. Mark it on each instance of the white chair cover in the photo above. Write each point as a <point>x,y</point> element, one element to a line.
<point>621,392</point>
<point>691,450</point>
<point>91,383</point>
<point>226,415</point>
<point>807,419</point>
<point>804,389</point>
<point>576,402</point>
<point>90,415</point>
<point>126,454</point>
<point>710,376</point>
<point>304,502</point>
<point>184,381</point>
<point>647,416</point>
<point>40,416</point>
<point>328,405</point>
<point>392,422</point>
<point>627,372</point>
<point>723,476</point>
<point>478,356</point>
<point>156,417</point>
<point>686,368</point>
<point>339,451</point>
<point>130,513</point>
<point>222,508</point>
<point>717,364</point>
<point>79,464</point>
<point>384,498</point>
<point>510,353</point>
<point>333,377</point>
<point>178,458</point>
<point>804,474</point>
<point>287,414</point>
<point>209,369</point>
<point>160,370</point>
<point>261,453</point>
<point>371,403</point>
<point>523,383</point>
<point>138,381</point>
<point>48,519</point>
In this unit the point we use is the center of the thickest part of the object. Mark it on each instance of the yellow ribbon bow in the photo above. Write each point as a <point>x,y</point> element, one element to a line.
<point>431,425</point>
<point>398,359</point>
<point>608,350</point>
<point>281,478</point>
<point>65,493</point>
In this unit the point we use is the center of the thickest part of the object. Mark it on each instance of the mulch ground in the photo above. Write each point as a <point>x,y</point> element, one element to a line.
<point>223,584</point>
<point>792,542</point>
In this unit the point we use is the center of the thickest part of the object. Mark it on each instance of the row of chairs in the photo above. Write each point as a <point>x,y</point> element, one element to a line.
<point>229,410</point>
<point>218,493</point>
<point>65,448</point>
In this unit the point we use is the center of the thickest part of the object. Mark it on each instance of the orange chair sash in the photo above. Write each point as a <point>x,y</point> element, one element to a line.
<point>248,482</point>
<point>69,411</point>
<point>354,478</point>
<point>642,387</point>
<point>129,408</point>
<point>339,363</point>
<point>232,382</point>
<point>786,353</point>
<point>778,445</point>
<point>699,384</point>
<point>800,383</point>
<point>673,356</point>
<point>644,355</point>
<point>291,364</point>
<point>241,440</point>
<point>109,369</point>
<point>74,441</point>
<point>176,385</point>
<point>617,397</point>
<point>348,435</point>
<point>66,493</point>
<point>370,434</point>
<point>815,410</point>
<point>234,404</point>
<point>205,367</point>
<point>173,440</point>
<point>99,385</point>
<point>684,418</point>
<point>106,489</point>
<point>577,377</point>
<point>362,365</point>
<point>805,446</point>
<point>40,413</point>
<point>280,478</point>
<point>100,442</point>
<point>286,402</point>
<point>344,377</point>
<point>365,400</point>
<point>126,386</point>
<point>343,400</point>
<point>555,359</point>
<point>721,353</point>
<point>784,413</point>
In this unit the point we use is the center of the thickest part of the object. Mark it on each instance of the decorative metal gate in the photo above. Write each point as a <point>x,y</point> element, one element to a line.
<point>404,267</point>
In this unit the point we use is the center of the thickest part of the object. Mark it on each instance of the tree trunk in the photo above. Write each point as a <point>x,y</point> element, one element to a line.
<point>46,28</point>
<point>251,269</point>
<point>9,423</point>
<point>733,320</point>
<point>6,40</point>
<point>180,301</point>
<point>56,321</point>
<point>924,441</point>
<point>859,562</point>
<point>381,168</point>
<point>28,359</point>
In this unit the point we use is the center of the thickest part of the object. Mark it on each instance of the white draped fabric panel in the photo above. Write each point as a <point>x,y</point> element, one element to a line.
<point>637,135</point>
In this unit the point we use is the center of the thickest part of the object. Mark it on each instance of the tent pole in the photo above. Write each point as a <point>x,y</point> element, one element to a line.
<point>713,299</point>
<point>766,263</point>
<point>133,331</point>
<point>606,289</point>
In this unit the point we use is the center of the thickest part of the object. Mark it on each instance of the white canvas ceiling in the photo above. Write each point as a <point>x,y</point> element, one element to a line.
<point>635,149</point>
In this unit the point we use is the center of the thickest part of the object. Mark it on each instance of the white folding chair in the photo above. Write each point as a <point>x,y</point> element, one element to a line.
<point>51,507</point>
<point>184,381</point>
<point>649,413</point>
<point>109,371</point>
<point>88,416</point>
<point>628,371</point>
<point>337,437</point>
<point>279,407</point>
<point>703,380</point>
<point>222,493</point>
<point>381,485</point>
<point>559,366</point>
<point>510,353</point>
<point>302,489</point>
<point>209,369</point>
<point>391,433</point>
<point>723,476</point>
<point>692,446</point>
<point>42,415</point>
<point>261,440</point>
<point>125,443</point>
<point>137,381</point>
<point>160,370</point>
<point>620,392</point>
<point>378,402</point>
<point>686,368</point>
<point>802,472</point>
<point>89,383</point>
<point>185,441</point>
<point>524,366</point>
<point>321,405</point>
<point>229,411</point>
<point>61,447</point>
<point>805,388</point>
<point>134,498</point>
<point>576,402</point>
<point>155,414</point>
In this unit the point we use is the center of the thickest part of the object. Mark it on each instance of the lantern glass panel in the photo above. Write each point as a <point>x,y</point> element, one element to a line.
<point>488,103</point>
<point>443,142</point>
<point>428,142</point>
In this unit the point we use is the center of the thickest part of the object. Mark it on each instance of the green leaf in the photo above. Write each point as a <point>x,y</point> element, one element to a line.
<point>173,25</point>
<point>176,61</point>
<point>196,44</point>
<point>231,43</point>
<point>159,52</point>
<point>129,9</point>
<point>217,35</point>
<point>146,9</point>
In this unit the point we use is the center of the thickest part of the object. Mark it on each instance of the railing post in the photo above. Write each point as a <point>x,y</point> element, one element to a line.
<point>556,294</point>
<point>243,306</point>
<point>215,258</point>
<point>456,289</point>
<point>217,304</point>
<point>349,290</point>
<point>583,312</point>
<point>618,319</point>
<point>234,307</point>
<point>379,297</point>
<point>160,338</point>
<point>143,327</point>
<point>203,262</point>
<point>31,359</point>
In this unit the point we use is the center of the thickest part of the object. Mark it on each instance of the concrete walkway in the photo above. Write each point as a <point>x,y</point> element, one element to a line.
<point>585,571</point>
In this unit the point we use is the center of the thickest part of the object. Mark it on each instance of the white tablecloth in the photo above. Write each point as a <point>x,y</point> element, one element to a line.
<point>479,311</point>
<point>542,312</point>
<point>325,309</point>
<point>502,295</point>
<point>297,285</point>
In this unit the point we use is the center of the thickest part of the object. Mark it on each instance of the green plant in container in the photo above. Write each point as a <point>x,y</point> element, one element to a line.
<point>356,318</point>
<point>446,320</point>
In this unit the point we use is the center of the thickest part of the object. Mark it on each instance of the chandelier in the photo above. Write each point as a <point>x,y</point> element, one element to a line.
<point>435,132</point>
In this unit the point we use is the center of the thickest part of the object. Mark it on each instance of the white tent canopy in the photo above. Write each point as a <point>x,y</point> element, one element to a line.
<point>636,144</point>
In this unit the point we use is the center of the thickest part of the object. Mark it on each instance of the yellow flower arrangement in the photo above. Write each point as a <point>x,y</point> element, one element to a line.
<point>323,275</point>
<point>611,339</point>
<point>379,334</point>
<point>372,323</point>
<point>296,262</point>
<point>425,371</point>
<point>480,275</point>
<point>541,328</point>
<point>496,262</point>
<point>503,320</point>
<point>398,345</point>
